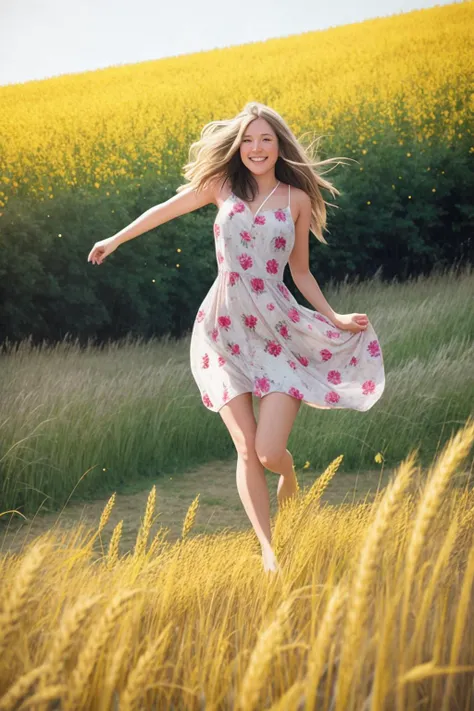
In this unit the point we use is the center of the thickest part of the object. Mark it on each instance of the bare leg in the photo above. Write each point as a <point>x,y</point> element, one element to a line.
<point>277,414</point>
<point>239,419</point>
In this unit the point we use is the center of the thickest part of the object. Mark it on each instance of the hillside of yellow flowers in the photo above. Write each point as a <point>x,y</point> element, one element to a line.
<point>410,72</point>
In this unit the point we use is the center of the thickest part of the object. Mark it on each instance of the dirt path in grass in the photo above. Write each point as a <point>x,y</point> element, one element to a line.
<point>219,505</point>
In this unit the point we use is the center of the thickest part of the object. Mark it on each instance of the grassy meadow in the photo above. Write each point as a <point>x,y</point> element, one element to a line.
<point>371,609</point>
<point>78,422</point>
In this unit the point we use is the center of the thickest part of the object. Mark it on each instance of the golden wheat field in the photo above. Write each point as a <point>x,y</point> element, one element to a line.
<point>372,607</point>
<point>97,128</point>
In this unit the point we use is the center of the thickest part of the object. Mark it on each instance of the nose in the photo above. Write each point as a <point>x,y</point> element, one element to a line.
<point>256,146</point>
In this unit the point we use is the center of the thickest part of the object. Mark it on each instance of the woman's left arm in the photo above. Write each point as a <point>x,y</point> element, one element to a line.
<point>305,281</point>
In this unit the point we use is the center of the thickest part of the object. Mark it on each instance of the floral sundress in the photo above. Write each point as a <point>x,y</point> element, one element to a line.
<point>251,335</point>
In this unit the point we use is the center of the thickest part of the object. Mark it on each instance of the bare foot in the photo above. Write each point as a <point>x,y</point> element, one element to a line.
<point>270,564</point>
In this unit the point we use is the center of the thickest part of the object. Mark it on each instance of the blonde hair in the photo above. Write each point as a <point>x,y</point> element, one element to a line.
<point>216,157</point>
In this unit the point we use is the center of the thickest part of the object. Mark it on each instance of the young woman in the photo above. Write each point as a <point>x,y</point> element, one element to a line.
<point>250,335</point>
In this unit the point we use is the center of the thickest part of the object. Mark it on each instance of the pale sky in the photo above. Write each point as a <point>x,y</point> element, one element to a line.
<point>45,38</point>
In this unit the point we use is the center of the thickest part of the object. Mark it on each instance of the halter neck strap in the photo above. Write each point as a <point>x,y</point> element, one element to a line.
<point>263,203</point>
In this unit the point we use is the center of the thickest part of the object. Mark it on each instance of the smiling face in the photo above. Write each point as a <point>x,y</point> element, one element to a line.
<point>259,142</point>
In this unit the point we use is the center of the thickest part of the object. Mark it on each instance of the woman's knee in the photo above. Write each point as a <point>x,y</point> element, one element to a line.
<point>270,454</point>
<point>245,447</point>
<point>240,421</point>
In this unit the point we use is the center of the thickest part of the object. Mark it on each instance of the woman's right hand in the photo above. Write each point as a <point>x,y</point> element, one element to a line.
<point>102,249</point>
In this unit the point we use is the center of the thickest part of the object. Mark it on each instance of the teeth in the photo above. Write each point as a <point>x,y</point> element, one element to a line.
<point>258,160</point>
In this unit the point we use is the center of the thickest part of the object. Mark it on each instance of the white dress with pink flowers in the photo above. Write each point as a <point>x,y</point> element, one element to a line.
<point>251,335</point>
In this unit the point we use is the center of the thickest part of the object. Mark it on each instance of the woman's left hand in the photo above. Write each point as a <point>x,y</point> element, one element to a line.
<point>351,322</point>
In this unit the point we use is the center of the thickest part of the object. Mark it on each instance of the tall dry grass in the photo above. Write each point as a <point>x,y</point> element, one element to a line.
<point>373,608</point>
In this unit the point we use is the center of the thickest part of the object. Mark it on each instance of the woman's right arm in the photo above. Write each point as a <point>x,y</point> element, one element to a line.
<point>186,201</point>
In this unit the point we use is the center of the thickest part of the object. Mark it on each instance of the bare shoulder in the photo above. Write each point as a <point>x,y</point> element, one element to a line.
<point>220,190</point>
<point>300,202</point>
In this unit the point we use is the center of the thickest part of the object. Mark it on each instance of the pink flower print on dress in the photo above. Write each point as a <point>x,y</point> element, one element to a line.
<point>310,328</point>
<point>374,348</point>
<point>245,238</point>
<point>258,285</point>
<point>294,315</point>
<point>233,278</point>
<point>245,261</point>
<point>220,257</point>
<point>262,385</point>
<point>234,348</point>
<point>225,394</point>
<point>321,318</point>
<point>272,266</point>
<point>280,215</point>
<point>200,315</point>
<point>221,361</point>
<point>214,334</point>
<point>368,387</point>
<point>334,377</point>
<point>303,360</point>
<point>292,364</point>
<point>224,322</point>
<point>217,230</point>
<point>273,347</point>
<point>284,291</point>
<point>239,206</point>
<point>353,361</point>
<point>282,329</point>
<point>325,354</point>
<point>333,334</point>
<point>206,400</point>
<point>270,306</point>
<point>250,321</point>
<point>205,361</point>
<point>279,243</point>
<point>332,397</point>
<point>260,220</point>
<point>295,393</point>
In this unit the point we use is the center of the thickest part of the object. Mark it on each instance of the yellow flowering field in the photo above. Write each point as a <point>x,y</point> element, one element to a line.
<point>408,74</point>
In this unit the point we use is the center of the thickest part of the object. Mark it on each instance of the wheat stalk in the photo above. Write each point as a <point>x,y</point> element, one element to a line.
<point>294,510</point>
<point>20,687</point>
<point>14,605</point>
<point>293,699</point>
<point>91,650</point>
<point>462,611</point>
<point>106,512</point>
<point>320,484</point>
<point>319,650</point>
<point>137,680</point>
<point>113,551</point>
<point>189,518</point>
<point>64,641</point>
<point>286,515</point>
<point>261,656</point>
<point>104,517</point>
<point>158,540</point>
<point>52,692</point>
<point>142,537</point>
<point>423,608</point>
<point>453,454</point>
<point>358,611</point>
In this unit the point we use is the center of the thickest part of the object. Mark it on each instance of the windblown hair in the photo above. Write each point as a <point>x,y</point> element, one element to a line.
<point>216,157</point>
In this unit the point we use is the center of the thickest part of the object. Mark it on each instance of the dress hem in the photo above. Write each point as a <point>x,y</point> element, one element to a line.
<point>309,403</point>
